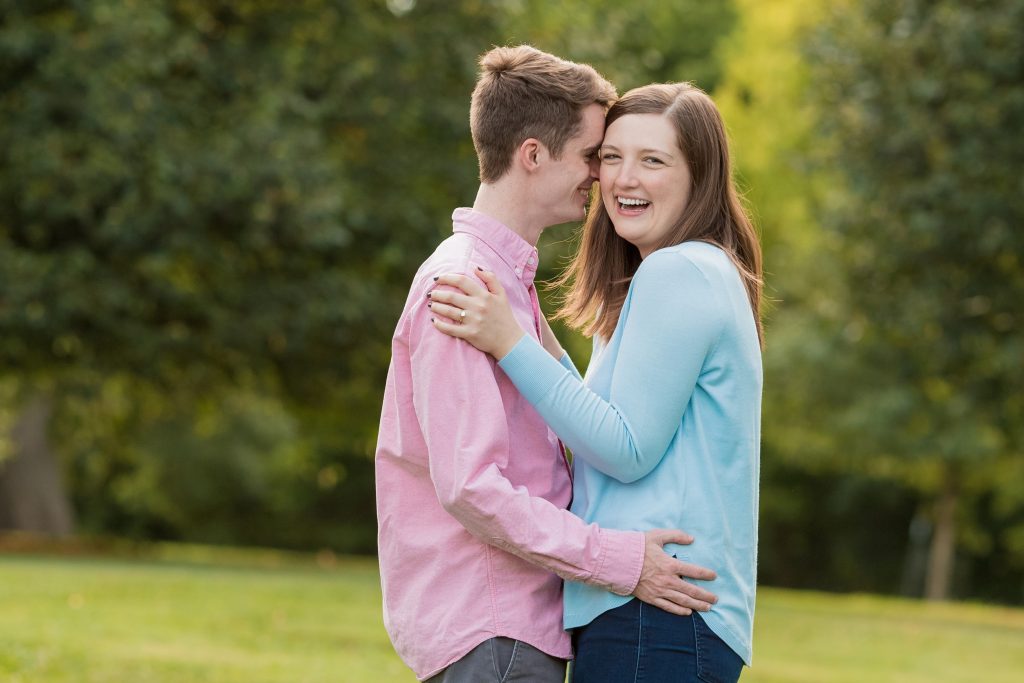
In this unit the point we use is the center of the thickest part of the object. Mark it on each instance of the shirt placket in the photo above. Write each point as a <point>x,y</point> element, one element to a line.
<point>535,304</point>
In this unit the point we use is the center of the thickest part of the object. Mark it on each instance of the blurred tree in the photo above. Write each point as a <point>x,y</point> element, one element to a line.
<point>645,41</point>
<point>206,202</point>
<point>205,194</point>
<point>216,174</point>
<point>822,513</point>
<point>771,130</point>
<point>45,508</point>
<point>911,346</point>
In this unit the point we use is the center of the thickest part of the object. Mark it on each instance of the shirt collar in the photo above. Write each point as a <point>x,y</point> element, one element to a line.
<point>520,255</point>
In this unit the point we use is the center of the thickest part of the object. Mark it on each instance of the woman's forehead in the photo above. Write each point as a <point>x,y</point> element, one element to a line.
<point>639,131</point>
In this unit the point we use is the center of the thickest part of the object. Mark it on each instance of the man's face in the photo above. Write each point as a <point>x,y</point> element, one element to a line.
<point>565,184</point>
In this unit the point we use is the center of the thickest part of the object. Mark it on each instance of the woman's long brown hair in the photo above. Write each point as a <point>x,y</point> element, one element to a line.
<point>598,278</point>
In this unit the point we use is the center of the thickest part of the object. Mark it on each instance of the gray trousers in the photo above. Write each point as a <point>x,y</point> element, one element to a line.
<point>503,660</point>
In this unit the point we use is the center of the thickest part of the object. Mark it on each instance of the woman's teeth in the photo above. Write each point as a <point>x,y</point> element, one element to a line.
<point>632,203</point>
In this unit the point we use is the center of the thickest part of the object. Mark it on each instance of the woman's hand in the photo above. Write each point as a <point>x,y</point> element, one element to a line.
<point>482,316</point>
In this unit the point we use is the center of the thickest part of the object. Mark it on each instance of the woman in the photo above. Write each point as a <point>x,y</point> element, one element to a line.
<point>666,427</point>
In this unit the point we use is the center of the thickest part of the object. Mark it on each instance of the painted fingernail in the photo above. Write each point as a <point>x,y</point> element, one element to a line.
<point>435,277</point>
<point>431,320</point>
<point>430,304</point>
<point>480,269</point>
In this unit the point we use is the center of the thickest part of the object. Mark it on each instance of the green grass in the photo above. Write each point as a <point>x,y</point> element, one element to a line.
<point>186,615</point>
<point>805,637</point>
<point>182,620</point>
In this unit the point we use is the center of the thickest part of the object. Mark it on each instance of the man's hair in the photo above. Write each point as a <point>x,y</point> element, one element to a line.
<point>525,93</point>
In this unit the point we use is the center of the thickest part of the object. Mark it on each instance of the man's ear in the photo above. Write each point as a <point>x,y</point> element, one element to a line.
<point>530,154</point>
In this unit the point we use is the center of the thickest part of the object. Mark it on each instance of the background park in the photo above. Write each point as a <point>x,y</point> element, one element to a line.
<point>210,211</point>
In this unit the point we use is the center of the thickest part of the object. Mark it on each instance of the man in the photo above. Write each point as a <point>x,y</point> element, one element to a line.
<point>472,486</point>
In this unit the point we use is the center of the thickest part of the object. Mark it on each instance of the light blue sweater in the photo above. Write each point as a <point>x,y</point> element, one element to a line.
<point>665,429</point>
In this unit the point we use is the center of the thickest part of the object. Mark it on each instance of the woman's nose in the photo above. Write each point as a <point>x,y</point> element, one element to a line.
<point>626,175</point>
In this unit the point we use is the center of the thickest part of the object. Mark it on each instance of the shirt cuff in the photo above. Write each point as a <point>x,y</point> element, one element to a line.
<point>622,559</point>
<point>532,369</point>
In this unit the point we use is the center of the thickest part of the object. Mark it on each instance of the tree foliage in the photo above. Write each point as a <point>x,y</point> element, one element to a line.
<point>204,188</point>
<point>210,213</point>
<point>914,344</point>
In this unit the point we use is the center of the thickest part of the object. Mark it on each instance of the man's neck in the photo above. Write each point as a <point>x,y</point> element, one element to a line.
<point>505,205</point>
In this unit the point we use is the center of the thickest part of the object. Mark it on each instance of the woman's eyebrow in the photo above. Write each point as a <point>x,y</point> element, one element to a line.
<point>646,150</point>
<point>655,150</point>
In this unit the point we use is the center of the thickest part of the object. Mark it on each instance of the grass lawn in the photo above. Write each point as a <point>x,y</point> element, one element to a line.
<point>186,615</point>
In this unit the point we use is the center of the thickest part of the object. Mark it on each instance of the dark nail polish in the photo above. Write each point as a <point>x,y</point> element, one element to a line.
<point>431,320</point>
<point>430,304</point>
<point>480,269</point>
<point>435,277</point>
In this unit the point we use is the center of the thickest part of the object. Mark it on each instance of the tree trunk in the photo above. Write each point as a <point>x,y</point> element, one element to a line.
<point>915,564</point>
<point>32,494</point>
<point>943,546</point>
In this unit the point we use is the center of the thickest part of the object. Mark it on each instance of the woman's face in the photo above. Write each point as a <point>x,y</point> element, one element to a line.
<point>645,180</point>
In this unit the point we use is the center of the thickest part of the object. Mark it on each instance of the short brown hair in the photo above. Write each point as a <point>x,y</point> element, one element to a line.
<point>599,276</point>
<point>525,93</point>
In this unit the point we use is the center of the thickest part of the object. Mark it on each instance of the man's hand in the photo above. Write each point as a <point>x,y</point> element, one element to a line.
<point>661,582</point>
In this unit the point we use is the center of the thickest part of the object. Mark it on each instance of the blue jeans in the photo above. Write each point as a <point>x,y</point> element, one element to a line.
<point>639,642</point>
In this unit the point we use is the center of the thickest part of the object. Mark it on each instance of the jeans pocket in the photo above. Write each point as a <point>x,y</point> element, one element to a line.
<point>716,662</point>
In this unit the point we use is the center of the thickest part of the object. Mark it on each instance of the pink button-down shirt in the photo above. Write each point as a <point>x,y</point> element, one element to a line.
<point>472,486</point>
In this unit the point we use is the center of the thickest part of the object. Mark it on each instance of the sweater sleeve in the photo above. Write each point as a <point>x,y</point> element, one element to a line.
<point>567,363</point>
<point>670,323</point>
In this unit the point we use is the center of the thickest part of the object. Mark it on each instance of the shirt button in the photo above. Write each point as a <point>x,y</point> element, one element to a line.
<point>530,260</point>
<point>519,271</point>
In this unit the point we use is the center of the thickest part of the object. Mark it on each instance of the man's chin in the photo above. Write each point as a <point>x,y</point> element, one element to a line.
<point>578,214</point>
